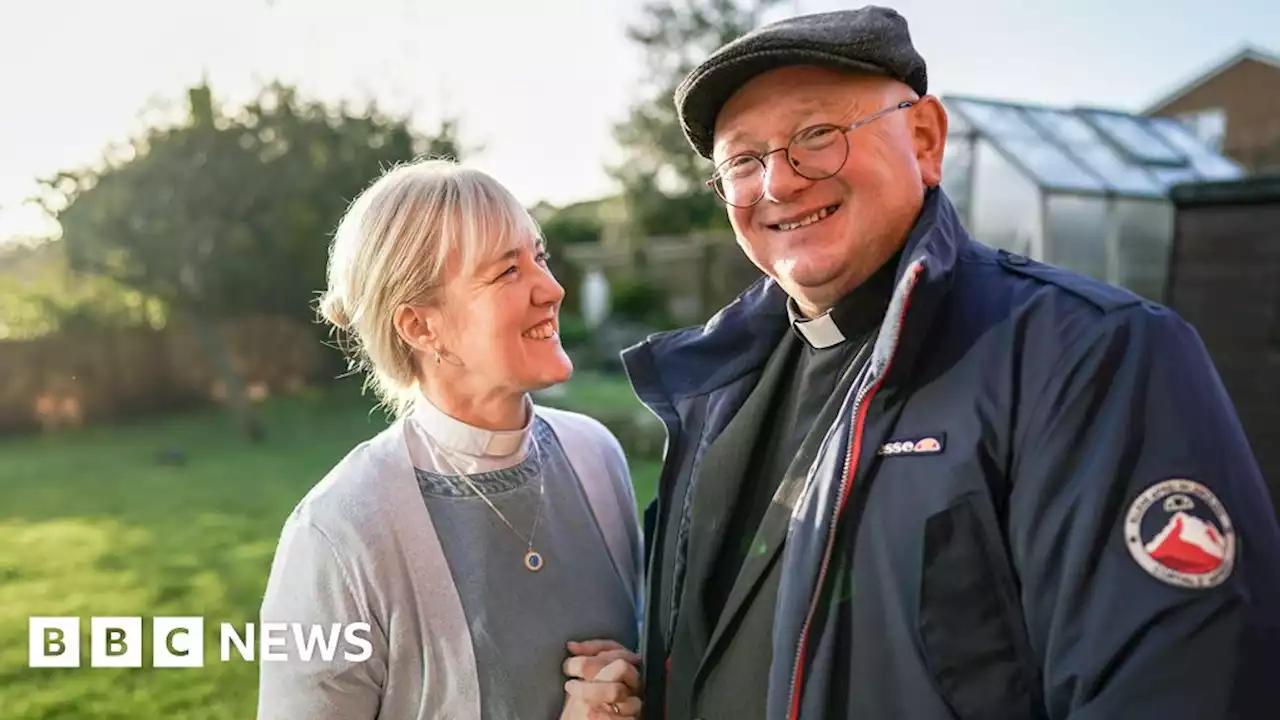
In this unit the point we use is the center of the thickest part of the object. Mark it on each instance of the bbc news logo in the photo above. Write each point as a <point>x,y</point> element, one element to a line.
<point>178,642</point>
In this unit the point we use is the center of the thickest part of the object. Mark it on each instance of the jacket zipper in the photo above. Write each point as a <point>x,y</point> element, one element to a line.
<point>854,451</point>
<point>846,483</point>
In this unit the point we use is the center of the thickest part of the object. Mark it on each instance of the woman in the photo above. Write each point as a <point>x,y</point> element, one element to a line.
<point>478,534</point>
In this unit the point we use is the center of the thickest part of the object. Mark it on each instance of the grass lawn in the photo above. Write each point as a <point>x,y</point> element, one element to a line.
<point>92,523</point>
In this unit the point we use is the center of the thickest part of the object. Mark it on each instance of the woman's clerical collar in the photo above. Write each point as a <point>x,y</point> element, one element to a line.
<point>853,316</point>
<point>468,439</point>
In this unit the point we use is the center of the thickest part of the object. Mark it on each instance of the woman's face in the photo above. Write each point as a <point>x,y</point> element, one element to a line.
<point>500,323</point>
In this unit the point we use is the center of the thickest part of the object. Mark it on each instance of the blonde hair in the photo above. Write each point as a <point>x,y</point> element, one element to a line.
<point>394,246</point>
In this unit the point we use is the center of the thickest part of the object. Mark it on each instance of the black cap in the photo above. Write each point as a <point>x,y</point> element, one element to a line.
<point>871,39</point>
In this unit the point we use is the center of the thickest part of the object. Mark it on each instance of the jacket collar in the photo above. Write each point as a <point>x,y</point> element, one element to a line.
<point>739,338</point>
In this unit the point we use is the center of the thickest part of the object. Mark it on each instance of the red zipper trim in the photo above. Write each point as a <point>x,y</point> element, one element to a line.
<point>846,486</point>
<point>855,451</point>
<point>666,691</point>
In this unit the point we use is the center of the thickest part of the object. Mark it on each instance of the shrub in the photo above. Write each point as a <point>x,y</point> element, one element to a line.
<point>574,330</point>
<point>640,301</point>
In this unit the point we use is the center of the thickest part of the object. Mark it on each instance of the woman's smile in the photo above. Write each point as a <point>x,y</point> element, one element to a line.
<point>545,330</point>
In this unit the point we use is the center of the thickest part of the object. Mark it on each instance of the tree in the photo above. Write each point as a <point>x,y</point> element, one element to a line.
<point>574,224</point>
<point>662,178</point>
<point>221,215</point>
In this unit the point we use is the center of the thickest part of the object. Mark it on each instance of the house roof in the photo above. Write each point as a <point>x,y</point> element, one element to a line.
<point>1247,52</point>
<point>1092,151</point>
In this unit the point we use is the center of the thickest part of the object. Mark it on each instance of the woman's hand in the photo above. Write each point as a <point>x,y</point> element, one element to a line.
<point>604,684</point>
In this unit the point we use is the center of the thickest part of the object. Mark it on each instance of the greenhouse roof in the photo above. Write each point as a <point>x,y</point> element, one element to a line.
<point>1092,151</point>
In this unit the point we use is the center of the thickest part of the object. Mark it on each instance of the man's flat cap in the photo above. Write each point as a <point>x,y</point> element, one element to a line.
<point>872,40</point>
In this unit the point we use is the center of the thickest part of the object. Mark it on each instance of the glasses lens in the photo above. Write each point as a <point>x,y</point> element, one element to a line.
<point>740,180</point>
<point>819,152</point>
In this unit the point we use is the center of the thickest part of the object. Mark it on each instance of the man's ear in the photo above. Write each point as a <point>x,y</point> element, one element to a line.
<point>929,135</point>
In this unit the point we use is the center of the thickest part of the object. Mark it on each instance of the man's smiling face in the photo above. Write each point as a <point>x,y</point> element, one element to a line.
<point>820,239</point>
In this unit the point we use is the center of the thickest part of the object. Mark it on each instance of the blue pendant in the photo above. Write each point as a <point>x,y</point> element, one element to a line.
<point>533,561</point>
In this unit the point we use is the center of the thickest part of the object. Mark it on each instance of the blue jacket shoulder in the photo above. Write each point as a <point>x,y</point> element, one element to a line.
<point>1101,296</point>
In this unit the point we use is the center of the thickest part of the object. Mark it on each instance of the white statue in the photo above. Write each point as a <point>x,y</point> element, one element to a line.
<point>595,297</point>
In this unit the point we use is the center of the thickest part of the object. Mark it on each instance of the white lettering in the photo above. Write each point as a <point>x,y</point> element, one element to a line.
<point>362,642</point>
<point>177,642</point>
<point>115,642</point>
<point>307,646</point>
<point>230,637</point>
<point>54,642</point>
<point>268,641</point>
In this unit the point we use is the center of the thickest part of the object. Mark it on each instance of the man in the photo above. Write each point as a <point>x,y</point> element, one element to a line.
<point>910,476</point>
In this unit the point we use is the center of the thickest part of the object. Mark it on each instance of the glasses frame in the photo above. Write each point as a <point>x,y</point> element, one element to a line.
<point>714,181</point>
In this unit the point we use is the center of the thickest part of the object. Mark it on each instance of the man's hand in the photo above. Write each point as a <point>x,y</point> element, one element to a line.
<point>604,682</point>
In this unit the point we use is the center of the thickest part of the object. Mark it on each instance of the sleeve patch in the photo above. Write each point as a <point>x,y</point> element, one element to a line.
<point>1180,533</point>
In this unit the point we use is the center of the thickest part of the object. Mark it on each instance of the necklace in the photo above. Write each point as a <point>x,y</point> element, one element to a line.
<point>532,558</point>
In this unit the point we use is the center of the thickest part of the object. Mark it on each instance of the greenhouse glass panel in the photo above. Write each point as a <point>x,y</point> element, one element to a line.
<point>1208,163</point>
<point>998,121</point>
<point>1168,177</point>
<point>1076,233</point>
<point>1084,189</point>
<point>1005,203</point>
<point>1123,178</point>
<point>1142,145</point>
<point>957,124</point>
<point>1051,166</point>
<point>957,165</point>
<point>1083,141</point>
<point>1006,126</point>
<point>1064,126</point>
<point>1146,237</point>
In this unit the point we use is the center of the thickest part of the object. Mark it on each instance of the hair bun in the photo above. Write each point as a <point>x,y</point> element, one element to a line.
<point>335,311</point>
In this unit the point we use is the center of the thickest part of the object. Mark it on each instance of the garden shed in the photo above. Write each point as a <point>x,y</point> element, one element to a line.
<point>1225,281</point>
<point>1085,189</point>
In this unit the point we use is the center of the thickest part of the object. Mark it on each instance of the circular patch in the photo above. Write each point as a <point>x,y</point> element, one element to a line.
<point>1179,532</point>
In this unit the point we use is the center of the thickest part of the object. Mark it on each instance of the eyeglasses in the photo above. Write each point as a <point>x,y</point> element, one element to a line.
<point>814,153</point>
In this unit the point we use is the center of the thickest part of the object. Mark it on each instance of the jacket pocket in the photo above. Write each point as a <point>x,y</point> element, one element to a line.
<point>970,621</point>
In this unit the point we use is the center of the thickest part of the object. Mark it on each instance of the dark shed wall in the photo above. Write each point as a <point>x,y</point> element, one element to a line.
<point>1225,281</point>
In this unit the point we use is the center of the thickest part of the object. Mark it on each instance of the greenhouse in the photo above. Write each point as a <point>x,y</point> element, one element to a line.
<point>1084,189</point>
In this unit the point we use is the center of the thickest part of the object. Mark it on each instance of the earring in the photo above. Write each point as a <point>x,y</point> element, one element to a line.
<point>437,354</point>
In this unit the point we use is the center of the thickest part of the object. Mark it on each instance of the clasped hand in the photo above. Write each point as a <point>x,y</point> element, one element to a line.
<point>604,682</point>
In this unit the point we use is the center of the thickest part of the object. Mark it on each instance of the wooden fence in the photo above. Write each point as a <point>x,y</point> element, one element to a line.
<point>697,274</point>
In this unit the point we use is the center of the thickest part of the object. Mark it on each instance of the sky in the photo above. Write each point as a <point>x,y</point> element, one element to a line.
<point>537,83</point>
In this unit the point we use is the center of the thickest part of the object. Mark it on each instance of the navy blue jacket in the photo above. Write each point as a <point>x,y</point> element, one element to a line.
<point>1038,502</point>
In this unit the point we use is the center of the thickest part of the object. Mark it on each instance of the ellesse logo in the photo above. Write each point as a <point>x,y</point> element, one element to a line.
<point>927,445</point>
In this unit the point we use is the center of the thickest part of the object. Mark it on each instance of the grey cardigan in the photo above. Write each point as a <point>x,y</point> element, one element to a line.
<point>360,547</point>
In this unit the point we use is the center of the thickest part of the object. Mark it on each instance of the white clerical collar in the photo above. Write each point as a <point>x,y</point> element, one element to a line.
<point>460,437</point>
<point>820,332</point>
